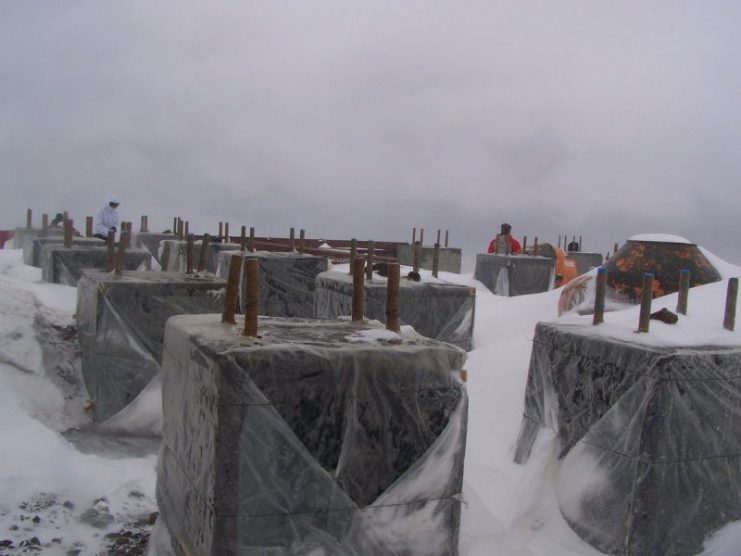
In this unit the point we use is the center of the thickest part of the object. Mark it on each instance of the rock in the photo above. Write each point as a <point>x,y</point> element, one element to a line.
<point>152,518</point>
<point>69,505</point>
<point>97,518</point>
<point>36,519</point>
<point>665,315</point>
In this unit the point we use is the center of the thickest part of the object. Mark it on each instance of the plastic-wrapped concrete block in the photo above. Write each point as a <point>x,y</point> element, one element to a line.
<point>121,325</point>
<point>151,242</point>
<point>512,275</point>
<point>33,246</point>
<point>449,257</point>
<point>287,281</point>
<point>64,265</point>
<point>650,437</point>
<point>435,309</point>
<point>178,257</point>
<point>21,235</point>
<point>318,437</point>
<point>585,261</point>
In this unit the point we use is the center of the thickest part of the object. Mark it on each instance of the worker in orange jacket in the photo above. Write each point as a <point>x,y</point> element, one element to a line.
<point>504,243</point>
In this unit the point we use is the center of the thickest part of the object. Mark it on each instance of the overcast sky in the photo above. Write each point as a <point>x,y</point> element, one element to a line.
<point>365,119</point>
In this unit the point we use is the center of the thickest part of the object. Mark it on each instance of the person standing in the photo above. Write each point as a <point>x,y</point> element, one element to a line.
<point>504,243</point>
<point>107,219</point>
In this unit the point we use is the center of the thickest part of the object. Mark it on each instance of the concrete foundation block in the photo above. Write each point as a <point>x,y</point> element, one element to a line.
<point>449,258</point>
<point>319,437</point>
<point>178,257</point>
<point>121,325</point>
<point>649,437</point>
<point>151,242</point>
<point>287,281</point>
<point>512,275</point>
<point>20,236</point>
<point>435,309</point>
<point>33,246</point>
<point>64,265</point>
<point>585,261</point>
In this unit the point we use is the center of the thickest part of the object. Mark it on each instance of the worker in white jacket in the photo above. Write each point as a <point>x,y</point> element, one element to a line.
<point>107,219</point>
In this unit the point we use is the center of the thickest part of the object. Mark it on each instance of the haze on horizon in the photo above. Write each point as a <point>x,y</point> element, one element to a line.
<point>349,119</point>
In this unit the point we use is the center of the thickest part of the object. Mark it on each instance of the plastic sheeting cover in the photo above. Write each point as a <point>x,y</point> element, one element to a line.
<point>151,242</point>
<point>32,246</point>
<point>512,275</point>
<point>309,438</point>
<point>438,310</point>
<point>121,324</point>
<point>287,281</point>
<point>178,258</point>
<point>62,265</point>
<point>650,438</point>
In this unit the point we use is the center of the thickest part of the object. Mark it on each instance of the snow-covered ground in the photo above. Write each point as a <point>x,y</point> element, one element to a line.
<point>84,492</point>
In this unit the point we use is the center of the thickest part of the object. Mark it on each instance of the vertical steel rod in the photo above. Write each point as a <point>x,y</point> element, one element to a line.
<point>729,318</point>
<point>232,289</point>
<point>353,253</point>
<point>369,260</point>
<point>684,289</point>
<point>88,226</point>
<point>301,240</point>
<point>644,318</point>
<point>436,260</point>
<point>252,289</point>
<point>392,297</point>
<point>243,239</point>
<point>189,255</point>
<point>599,296</point>
<point>358,289</point>
<point>415,261</point>
<point>251,244</point>
<point>205,247</point>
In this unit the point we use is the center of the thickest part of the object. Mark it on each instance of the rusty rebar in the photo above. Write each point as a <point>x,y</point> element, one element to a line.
<point>88,226</point>
<point>221,231</point>
<point>729,318</point>
<point>392,297</point>
<point>353,254</point>
<point>599,296</point>
<point>110,261</point>
<point>417,254</point>
<point>44,224</point>
<point>29,219</point>
<point>68,227</point>
<point>231,295</point>
<point>369,259</point>
<point>227,237</point>
<point>243,239</point>
<point>292,239</point>
<point>251,243</point>
<point>644,317</point>
<point>121,254</point>
<point>165,257</point>
<point>205,248</point>
<point>436,259</point>
<point>684,289</point>
<point>414,236</point>
<point>301,240</point>
<point>535,247</point>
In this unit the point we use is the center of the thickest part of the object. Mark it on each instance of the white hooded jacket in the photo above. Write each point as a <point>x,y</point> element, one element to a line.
<point>106,218</point>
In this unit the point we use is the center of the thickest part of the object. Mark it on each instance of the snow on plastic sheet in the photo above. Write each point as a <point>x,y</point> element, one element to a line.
<point>178,254</point>
<point>300,441</point>
<point>63,265</point>
<point>650,438</point>
<point>512,275</point>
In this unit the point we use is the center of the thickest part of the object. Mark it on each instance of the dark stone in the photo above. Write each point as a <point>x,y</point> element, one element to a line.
<point>312,437</point>
<point>512,275</point>
<point>659,427</point>
<point>414,276</point>
<point>69,505</point>
<point>121,325</point>
<point>665,315</point>
<point>435,309</point>
<point>94,517</point>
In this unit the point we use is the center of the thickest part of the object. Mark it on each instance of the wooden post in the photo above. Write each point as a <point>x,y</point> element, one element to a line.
<point>187,228</point>
<point>684,288</point>
<point>353,253</point>
<point>369,260</point>
<point>28,219</point>
<point>414,236</point>
<point>243,239</point>
<point>146,223</point>
<point>292,239</point>
<point>44,224</point>
<point>165,257</point>
<point>252,287</point>
<point>535,246</point>
<point>729,319</point>
<point>438,236</point>
<point>221,230</point>
<point>88,226</point>
<point>68,227</point>
<point>189,255</point>
<point>301,240</point>
<point>599,297</point>
<point>524,244</point>
<point>232,289</point>
<point>392,298</point>
<point>446,238</point>
<point>110,262</point>
<point>580,247</point>
<point>358,290</point>
<point>203,258</point>
<point>251,244</point>
<point>175,225</point>
<point>181,229</point>
<point>646,295</point>
<point>436,260</point>
<point>421,236</point>
<point>141,224</point>
<point>415,261</point>
<point>121,253</point>
<point>227,237</point>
